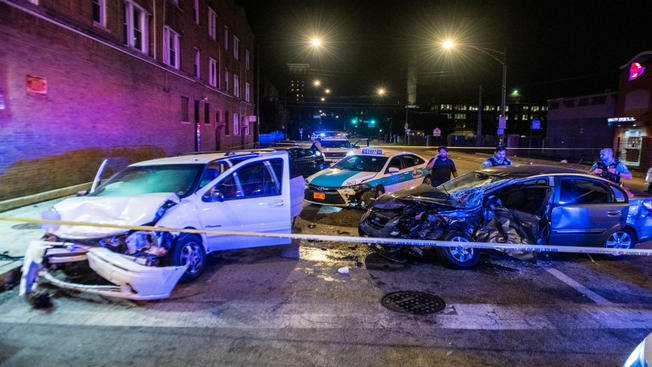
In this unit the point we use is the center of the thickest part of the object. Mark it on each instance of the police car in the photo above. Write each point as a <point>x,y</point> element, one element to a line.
<point>359,178</point>
<point>336,148</point>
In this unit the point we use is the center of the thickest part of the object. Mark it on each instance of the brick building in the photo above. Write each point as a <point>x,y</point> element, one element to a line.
<point>127,79</point>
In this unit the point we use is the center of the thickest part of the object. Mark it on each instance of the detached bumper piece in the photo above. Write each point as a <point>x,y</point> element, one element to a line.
<point>132,280</point>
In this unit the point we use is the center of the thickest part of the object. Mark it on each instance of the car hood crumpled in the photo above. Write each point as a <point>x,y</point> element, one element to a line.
<point>120,210</point>
<point>423,193</point>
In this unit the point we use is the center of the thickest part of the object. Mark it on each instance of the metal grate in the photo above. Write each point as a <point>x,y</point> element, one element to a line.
<point>417,303</point>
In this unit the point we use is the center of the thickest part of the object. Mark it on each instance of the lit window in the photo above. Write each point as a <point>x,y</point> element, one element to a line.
<point>236,122</point>
<point>535,108</point>
<point>526,108</point>
<point>247,60</point>
<point>212,23</point>
<point>524,117</point>
<point>99,11</point>
<point>247,92</point>
<point>236,48</point>
<point>135,27</point>
<point>226,37</point>
<point>195,7</point>
<point>506,108</point>
<point>236,85</point>
<point>197,63</point>
<point>212,72</point>
<point>170,47</point>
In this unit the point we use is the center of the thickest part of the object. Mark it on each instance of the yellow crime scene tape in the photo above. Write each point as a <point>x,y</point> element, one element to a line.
<point>354,239</point>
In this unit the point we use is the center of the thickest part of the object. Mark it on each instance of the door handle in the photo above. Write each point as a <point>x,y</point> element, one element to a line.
<point>277,204</point>
<point>613,213</point>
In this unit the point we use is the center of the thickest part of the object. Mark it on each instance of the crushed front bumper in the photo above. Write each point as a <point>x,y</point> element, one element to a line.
<point>132,280</point>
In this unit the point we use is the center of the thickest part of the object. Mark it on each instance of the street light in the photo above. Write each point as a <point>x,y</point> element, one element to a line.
<point>315,42</point>
<point>316,83</point>
<point>327,91</point>
<point>323,99</point>
<point>499,56</point>
<point>381,91</point>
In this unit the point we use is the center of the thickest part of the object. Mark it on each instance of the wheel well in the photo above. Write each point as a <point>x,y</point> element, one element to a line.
<point>201,236</point>
<point>633,232</point>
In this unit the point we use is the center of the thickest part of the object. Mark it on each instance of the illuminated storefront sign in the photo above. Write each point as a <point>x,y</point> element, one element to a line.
<point>621,119</point>
<point>635,70</point>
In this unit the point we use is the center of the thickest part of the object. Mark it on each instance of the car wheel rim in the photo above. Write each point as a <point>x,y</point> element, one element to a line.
<point>191,254</point>
<point>620,239</point>
<point>461,253</point>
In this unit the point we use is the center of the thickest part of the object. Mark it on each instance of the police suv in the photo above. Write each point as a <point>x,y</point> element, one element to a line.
<point>359,178</point>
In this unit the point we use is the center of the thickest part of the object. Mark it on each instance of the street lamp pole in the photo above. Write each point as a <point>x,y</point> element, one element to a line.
<point>499,56</point>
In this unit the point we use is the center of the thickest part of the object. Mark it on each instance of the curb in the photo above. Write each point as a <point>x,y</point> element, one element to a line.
<point>43,196</point>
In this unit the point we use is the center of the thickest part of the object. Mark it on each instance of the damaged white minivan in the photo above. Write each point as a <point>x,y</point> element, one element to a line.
<point>249,192</point>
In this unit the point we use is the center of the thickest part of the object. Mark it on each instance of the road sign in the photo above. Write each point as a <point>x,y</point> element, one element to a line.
<point>536,124</point>
<point>436,132</point>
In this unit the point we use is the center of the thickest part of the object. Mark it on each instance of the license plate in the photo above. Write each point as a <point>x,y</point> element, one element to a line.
<point>319,195</point>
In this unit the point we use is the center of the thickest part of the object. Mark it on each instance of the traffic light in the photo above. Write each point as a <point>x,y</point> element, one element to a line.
<point>372,123</point>
<point>354,121</point>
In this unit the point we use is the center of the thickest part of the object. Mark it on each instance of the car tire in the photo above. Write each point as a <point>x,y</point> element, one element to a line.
<point>458,258</point>
<point>620,239</point>
<point>427,180</point>
<point>649,189</point>
<point>189,248</point>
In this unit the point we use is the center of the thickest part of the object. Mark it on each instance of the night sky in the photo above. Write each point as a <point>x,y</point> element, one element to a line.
<point>554,48</point>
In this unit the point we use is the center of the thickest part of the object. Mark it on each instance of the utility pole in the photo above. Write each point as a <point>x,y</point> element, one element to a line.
<point>257,130</point>
<point>478,137</point>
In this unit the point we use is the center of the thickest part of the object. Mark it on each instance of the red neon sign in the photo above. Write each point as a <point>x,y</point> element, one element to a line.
<point>635,70</point>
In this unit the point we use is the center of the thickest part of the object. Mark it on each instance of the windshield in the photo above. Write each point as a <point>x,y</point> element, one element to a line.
<point>468,181</point>
<point>335,144</point>
<point>362,163</point>
<point>137,180</point>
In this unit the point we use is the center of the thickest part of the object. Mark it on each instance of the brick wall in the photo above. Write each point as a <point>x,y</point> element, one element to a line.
<point>100,103</point>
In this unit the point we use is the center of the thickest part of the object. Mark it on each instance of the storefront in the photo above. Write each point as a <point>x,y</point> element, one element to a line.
<point>633,134</point>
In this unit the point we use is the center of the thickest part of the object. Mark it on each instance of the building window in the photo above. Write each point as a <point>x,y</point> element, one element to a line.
<point>460,116</point>
<point>247,60</point>
<point>184,109</point>
<point>170,47</point>
<point>217,117</point>
<point>226,37</point>
<point>99,11</point>
<point>236,123</point>
<point>524,117</point>
<point>535,108</point>
<point>226,80</point>
<point>236,85</point>
<point>227,130</point>
<point>212,72</point>
<point>247,92</point>
<point>526,108</point>
<point>197,63</point>
<point>207,113</point>
<point>245,125</point>
<point>135,27</point>
<point>196,111</point>
<point>236,48</point>
<point>212,23</point>
<point>195,8</point>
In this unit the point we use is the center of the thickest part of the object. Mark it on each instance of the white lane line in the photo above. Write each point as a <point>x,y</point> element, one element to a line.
<point>578,287</point>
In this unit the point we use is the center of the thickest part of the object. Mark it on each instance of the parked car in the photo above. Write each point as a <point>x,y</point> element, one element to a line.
<point>335,149</point>
<point>359,178</point>
<point>528,204</point>
<point>229,192</point>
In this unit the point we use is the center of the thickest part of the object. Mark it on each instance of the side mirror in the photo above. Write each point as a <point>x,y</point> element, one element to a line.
<point>82,193</point>
<point>213,195</point>
<point>393,169</point>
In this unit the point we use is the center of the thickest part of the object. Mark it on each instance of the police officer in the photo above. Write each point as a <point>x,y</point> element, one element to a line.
<point>498,159</point>
<point>610,168</point>
<point>442,167</point>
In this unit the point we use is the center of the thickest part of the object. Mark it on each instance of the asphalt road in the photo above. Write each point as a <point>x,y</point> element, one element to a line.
<point>289,306</point>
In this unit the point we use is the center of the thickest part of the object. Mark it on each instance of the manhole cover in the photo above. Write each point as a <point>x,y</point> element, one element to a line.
<point>417,303</point>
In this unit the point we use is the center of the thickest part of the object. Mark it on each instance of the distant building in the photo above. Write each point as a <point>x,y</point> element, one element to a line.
<point>633,129</point>
<point>85,80</point>
<point>296,88</point>
<point>579,122</point>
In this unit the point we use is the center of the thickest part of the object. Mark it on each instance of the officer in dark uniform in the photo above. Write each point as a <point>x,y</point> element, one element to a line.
<point>610,168</point>
<point>498,159</point>
<point>442,167</point>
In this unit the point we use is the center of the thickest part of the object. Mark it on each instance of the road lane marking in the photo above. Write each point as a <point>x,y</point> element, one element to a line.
<point>579,287</point>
